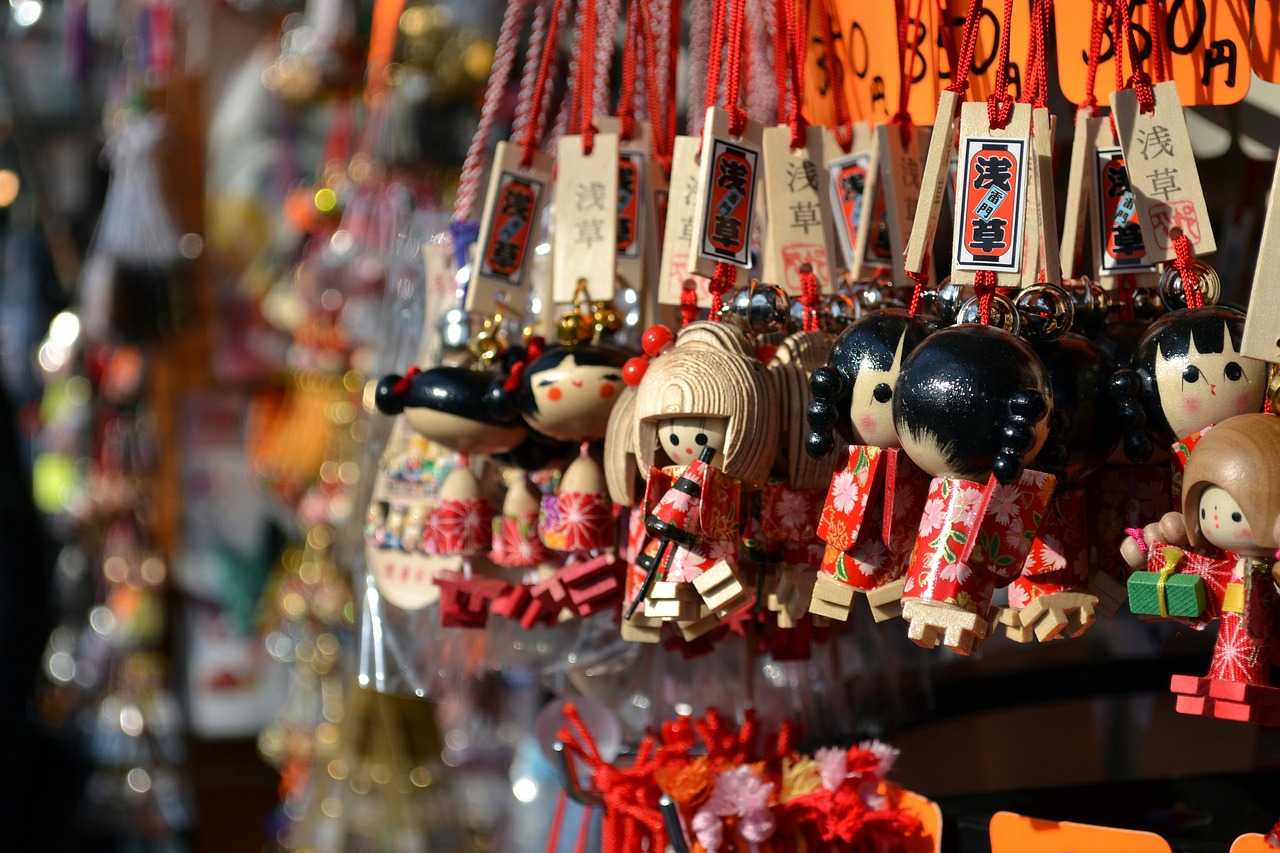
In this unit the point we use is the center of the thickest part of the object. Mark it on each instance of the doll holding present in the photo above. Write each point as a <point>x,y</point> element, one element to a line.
<point>1232,509</point>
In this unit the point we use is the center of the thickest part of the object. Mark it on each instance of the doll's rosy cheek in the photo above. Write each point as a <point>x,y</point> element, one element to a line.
<point>1191,404</point>
<point>555,393</point>
<point>1243,401</point>
<point>607,390</point>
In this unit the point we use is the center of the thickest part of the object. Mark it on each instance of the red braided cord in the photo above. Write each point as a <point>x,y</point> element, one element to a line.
<point>835,74</point>
<point>809,297</point>
<point>733,69</point>
<point>627,92</point>
<point>1157,15</point>
<point>948,35</point>
<point>720,9</point>
<point>1184,263</point>
<point>1139,81</point>
<point>533,129</point>
<point>921,278</point>
<point>1126,287</point>
<point>584,81</point>
<point>1037,90</point>
<point>798,33</point>
<point>984,284</point>
<point>723,279</point>
<point>702,23</point>
<point>1000,104</point>
<point>688,302</point>
<point>584,832</point>
<point>1095,55</point>
<point>504,54</point>
<point>553,837</point>
<point>960,73</point>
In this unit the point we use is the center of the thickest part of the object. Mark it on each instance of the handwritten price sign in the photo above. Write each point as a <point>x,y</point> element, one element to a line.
<point>1208,40</point>
<point>867,41</point>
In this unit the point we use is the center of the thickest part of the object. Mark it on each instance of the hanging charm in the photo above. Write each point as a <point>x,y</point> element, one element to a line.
<point>725,210</point>
<point>1162,171</point>
<point>585,217</point>
<point>991,198</point>
<point>508,227</point>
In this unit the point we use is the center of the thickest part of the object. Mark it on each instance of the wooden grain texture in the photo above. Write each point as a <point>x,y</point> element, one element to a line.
<point>1042,129</point>
<point>901,179</point>
<point>1162,172</point>
<point>797,357</point>
<point>1079,193</point>
<point>798,216</point>
<point>933,184</point>
<point>705,376</point>
<point>1262,323</point>
<point>585,218</point>
<point>863,264</point>
<point>974,123</point>
<point>633,264</point>
<point>675,266</point>
<point>716,129</point>
<point>620,464</point>
<point>486,286</point>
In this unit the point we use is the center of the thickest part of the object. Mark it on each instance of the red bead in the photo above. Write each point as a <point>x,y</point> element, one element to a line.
<point>656,339</point>
<point>633,370</point>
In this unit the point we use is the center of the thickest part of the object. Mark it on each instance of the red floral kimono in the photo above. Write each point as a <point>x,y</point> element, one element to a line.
<point>1241,595</point>
<point>516,543</point>
<point>1059,557</point>
<point>974,538</point>
<point>788,518</point>
<point>711,515</point>
<point>868,517</point>
<point>577,522</point>
<point>458,527</point>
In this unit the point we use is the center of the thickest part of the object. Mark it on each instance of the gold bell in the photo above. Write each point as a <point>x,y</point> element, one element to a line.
<point>573,329</point>
<point>606,317</point>
<point>484,347</point>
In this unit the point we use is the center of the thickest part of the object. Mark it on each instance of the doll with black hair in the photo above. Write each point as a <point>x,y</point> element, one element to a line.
<point>971,407</point>
<point>450,407</point>
<point>868,519</point>
<point>567,394</point>
<point>1187,374</point>
<point>1051,598</point>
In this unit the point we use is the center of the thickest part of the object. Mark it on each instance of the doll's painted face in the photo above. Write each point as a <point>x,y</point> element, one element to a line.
<point>572,402</point>
<point>1199,389</point>
<point>871,407</point>
<point>1223,523</point>
<point>684,438</point>
<point>463,434</point>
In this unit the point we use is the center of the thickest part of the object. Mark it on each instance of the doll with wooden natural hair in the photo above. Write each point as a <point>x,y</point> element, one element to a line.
<point>873,502</point>
<point>1231,508</point>
<point>791,502</point>
<point>971,407</point>
<point>706,429</point>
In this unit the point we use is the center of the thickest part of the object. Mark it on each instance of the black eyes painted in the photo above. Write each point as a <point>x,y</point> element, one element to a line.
<point>675,439</point>
<point>1233,371</point>
<point>701,439</point>
<point>882,392</point>
<point>1190,373</point>
<point>543,383</point>
<point>1203,515</point>
<point>1237,517</point>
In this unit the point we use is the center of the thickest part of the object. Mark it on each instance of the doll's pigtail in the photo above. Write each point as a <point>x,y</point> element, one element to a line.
<point>393,390</point>
<point>1126,389</point>
<point>1053,456</point>
<point>1018,435</point>
<point>826,384</point>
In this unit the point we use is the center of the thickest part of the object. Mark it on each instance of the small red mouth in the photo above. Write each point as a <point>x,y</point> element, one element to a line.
<point>577,383</point>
